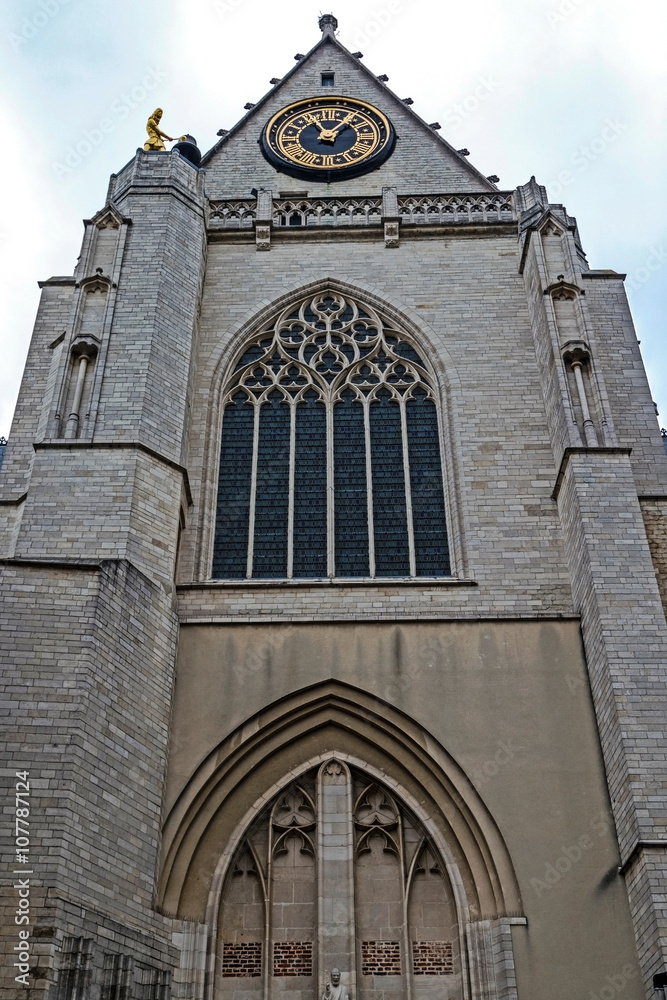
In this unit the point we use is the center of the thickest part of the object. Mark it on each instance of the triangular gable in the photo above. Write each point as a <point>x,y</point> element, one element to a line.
<point>107,218</point>
<point>422,162</point>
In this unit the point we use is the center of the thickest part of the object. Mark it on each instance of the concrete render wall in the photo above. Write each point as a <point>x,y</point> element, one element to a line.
<point>510,701</point>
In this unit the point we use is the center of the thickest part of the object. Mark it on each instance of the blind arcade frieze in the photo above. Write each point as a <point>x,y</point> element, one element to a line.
<point>487,208</point>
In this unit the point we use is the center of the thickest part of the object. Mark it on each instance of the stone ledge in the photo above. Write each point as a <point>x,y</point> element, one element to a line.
<point>70,445</point>
<point>65,279</point>
<point>391,616</point>
<point>366,582</point>
<point>567,454</point>
<point>640,846</point>
<point>316,234</point>
<point>609,275</point>
<point>14,501</point>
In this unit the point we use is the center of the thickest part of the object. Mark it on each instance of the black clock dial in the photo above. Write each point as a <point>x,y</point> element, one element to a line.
<point>327,138</point>
<point>311,138</point>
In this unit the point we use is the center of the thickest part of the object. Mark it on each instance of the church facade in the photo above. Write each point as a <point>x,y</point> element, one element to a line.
<point>334,560</point>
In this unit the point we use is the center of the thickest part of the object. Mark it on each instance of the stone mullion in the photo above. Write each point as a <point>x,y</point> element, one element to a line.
<point>335,869</point>
<point>589,427</point>
<point>405,886</point>
<point>73,418</point>
<point>253,491</point>
<point>369,487</point>
<point>331,527</point>
<point>290,500</point>
<point>268,915</point>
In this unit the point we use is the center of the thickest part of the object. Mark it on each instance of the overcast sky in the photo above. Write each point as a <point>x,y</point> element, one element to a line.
<point>572,91</point>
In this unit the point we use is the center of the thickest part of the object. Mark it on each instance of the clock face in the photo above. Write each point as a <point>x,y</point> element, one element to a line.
<point>328,138</point>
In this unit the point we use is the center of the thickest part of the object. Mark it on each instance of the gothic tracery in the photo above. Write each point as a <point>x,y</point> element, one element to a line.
<point>330,459</point>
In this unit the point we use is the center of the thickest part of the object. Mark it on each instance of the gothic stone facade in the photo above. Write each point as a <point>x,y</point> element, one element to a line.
<point>447,782</point>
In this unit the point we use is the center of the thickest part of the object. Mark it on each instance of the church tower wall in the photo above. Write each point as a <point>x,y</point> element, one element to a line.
<point>445,781</point>
<point>91,624</point>
<point>613,575</point>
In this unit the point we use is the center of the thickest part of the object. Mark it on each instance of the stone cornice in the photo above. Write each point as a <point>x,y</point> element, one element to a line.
<point>67,445</point>
<point>569,452</point>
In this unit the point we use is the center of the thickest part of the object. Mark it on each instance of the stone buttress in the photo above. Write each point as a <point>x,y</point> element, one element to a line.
<point>589,361</point>
<point>94,493</point>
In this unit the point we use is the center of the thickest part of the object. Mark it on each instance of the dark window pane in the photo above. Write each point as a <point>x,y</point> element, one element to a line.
<point>389,511</point>
<point>270,551</point>
<point>230,550</point>
<point>405,350</point>
<point>428,502</point>
<point>310,489</point>
<point>351,520</point>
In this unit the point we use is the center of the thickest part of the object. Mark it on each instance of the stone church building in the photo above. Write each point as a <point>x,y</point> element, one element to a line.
<point>334,571</point>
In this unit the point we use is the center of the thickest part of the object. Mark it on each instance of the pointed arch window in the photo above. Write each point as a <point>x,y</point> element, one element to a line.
<point>337,873</point>
<point>330,461</point>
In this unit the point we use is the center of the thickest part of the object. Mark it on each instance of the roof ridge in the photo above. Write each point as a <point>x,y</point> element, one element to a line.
<point>328,37</point>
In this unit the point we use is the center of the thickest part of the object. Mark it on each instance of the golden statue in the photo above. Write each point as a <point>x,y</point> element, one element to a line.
<point>154,143</point>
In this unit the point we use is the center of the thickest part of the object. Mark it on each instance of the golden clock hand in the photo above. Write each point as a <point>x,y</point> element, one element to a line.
<point>345,122</point>
<point>329,134</point>
<point>314,121</point>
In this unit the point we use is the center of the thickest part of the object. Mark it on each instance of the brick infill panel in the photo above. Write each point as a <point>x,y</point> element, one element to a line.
<point>432,958</point>
<point>380,958</point>
<point>243,959</point>
<point>293,958</point>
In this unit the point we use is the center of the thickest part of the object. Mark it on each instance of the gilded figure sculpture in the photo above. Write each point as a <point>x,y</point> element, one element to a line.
<point>154,143</point>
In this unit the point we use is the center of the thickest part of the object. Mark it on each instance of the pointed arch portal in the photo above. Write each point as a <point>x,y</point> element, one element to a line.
<point>396,874</point>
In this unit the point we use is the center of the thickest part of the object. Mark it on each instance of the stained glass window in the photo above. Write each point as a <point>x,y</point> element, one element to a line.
<point>330,461</point>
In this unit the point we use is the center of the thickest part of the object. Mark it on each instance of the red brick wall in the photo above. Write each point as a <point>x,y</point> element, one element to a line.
<point>293,958</point>
<point>242,959</point>
<point>380,958</point>
<point>432,958</point>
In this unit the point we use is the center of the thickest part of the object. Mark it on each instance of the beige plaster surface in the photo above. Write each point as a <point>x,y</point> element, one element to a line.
<point>509,701</point>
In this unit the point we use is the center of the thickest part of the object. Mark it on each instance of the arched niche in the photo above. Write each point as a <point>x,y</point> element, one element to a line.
<point>455,863</point>
<point>336,872</point>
